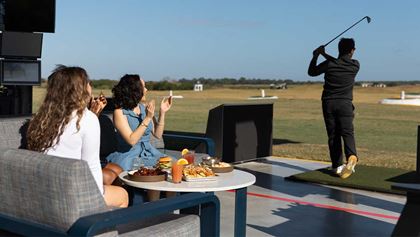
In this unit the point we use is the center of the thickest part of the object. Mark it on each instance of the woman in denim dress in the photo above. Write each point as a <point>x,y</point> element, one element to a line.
<point>135,123</point>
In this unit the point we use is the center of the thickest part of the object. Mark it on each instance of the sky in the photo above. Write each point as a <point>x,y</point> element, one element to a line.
<point>270,39</point>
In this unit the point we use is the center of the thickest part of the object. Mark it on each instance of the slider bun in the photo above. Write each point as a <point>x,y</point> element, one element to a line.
<point>165,159</point>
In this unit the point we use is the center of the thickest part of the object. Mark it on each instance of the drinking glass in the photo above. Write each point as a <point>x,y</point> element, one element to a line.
<point>177,172</point>
<point>190,156</point>
<point>137,163</point>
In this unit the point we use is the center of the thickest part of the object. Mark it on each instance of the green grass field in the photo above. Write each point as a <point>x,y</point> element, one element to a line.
<point>386,135</point>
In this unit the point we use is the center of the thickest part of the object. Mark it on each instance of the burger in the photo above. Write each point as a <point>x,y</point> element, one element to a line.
<point>165,162</point>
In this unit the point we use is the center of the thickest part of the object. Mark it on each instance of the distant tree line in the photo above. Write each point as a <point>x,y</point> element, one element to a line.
<point>390,83</point>
<point>103,84</point>
<point>188,84</point>
<point>234,81</point>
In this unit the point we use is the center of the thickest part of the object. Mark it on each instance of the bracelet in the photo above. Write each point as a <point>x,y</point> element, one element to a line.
<point>142,124</point>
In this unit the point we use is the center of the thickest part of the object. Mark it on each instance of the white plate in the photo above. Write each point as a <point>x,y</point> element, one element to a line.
<point>200,179</point>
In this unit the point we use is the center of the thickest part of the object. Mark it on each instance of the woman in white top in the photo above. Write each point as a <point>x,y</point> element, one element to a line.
<point>64,127</point>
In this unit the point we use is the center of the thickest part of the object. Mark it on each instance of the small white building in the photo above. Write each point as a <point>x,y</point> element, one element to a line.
<point>367,84</point>
<point>198,86</point>
<point>282,86</point>
<point>381,85</point>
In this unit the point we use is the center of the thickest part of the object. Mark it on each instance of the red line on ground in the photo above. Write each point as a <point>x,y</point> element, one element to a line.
<point>322,205</point>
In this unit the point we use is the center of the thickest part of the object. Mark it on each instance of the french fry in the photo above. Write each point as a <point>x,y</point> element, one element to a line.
<point>192,171</point>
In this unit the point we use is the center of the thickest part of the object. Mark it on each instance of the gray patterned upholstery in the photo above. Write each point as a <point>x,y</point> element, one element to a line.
<point>163,226</point>
<point>45,189</point>
<point>11,130</point>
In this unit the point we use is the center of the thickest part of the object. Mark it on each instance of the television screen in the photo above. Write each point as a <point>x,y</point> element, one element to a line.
<point>29,15</point>
<point>18,72</point>
<point>20,44</point>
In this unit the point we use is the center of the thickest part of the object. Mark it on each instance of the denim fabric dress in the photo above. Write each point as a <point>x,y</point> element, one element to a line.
<point>125,154</point>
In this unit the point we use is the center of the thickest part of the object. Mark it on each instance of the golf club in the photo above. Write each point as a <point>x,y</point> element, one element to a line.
<point>368,21</point>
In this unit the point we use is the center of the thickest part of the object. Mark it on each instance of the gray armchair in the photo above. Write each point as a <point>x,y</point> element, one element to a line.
<point>43,195</point>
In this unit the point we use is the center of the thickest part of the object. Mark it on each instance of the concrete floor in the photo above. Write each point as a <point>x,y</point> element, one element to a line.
<point>277,207</point>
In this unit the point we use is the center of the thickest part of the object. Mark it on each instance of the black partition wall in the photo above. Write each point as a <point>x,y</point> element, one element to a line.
<point>242,132</point>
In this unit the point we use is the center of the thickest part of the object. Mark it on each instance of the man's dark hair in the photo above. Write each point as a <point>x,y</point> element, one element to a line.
<point>128,92</point>
<point>345,45</point>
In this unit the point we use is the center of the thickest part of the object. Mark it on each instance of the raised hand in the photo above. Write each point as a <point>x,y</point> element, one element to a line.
<point>98,104</point>
<point>318,51</point>
<point>150,109</point>
<point>102,101</point>
<point>166,104</point>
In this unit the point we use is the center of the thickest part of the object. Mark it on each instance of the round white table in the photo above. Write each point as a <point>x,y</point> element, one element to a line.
<point>237,180</point>
<point>224,181</point>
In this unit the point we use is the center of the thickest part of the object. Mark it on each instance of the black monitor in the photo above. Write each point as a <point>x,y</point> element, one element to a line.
<point>241,132</point>
<point>20,72</point>
<point>21,45</point>
<point>29,15</point>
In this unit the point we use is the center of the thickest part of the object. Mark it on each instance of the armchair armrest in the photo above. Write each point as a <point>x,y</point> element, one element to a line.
<point>174,138</point>
<point>209,214</point>
<point>26,228</point>
<point>93,224</point>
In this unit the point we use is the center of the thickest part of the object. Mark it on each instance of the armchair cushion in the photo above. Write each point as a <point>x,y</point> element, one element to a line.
<point>165,225</point>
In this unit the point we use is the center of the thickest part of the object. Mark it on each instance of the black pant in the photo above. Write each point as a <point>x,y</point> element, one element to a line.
<point>338,118</point>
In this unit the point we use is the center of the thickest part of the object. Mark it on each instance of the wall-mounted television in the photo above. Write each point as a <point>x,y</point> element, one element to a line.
<point>20,45</point>
<point>29,15</point>
<point>20,72</point>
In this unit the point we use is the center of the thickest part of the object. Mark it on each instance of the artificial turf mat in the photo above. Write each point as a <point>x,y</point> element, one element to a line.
<point>370,178</point>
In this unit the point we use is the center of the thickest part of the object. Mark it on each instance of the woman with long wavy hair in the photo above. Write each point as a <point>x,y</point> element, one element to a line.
<point>64,127</point>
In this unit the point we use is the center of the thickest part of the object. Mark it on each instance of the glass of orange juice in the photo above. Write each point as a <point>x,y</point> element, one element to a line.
<point>177,172</point>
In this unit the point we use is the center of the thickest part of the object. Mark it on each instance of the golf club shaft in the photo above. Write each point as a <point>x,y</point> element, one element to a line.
<point>325,45</point>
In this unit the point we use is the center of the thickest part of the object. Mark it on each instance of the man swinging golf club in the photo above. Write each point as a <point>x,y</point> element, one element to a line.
<point>337,97</point>
<point>337,105</point>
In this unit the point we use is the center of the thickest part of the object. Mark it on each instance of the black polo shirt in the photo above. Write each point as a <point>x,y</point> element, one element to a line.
<point>339,76</point>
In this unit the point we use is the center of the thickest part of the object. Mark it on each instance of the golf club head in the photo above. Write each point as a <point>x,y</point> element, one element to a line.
<point>368,19</point>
